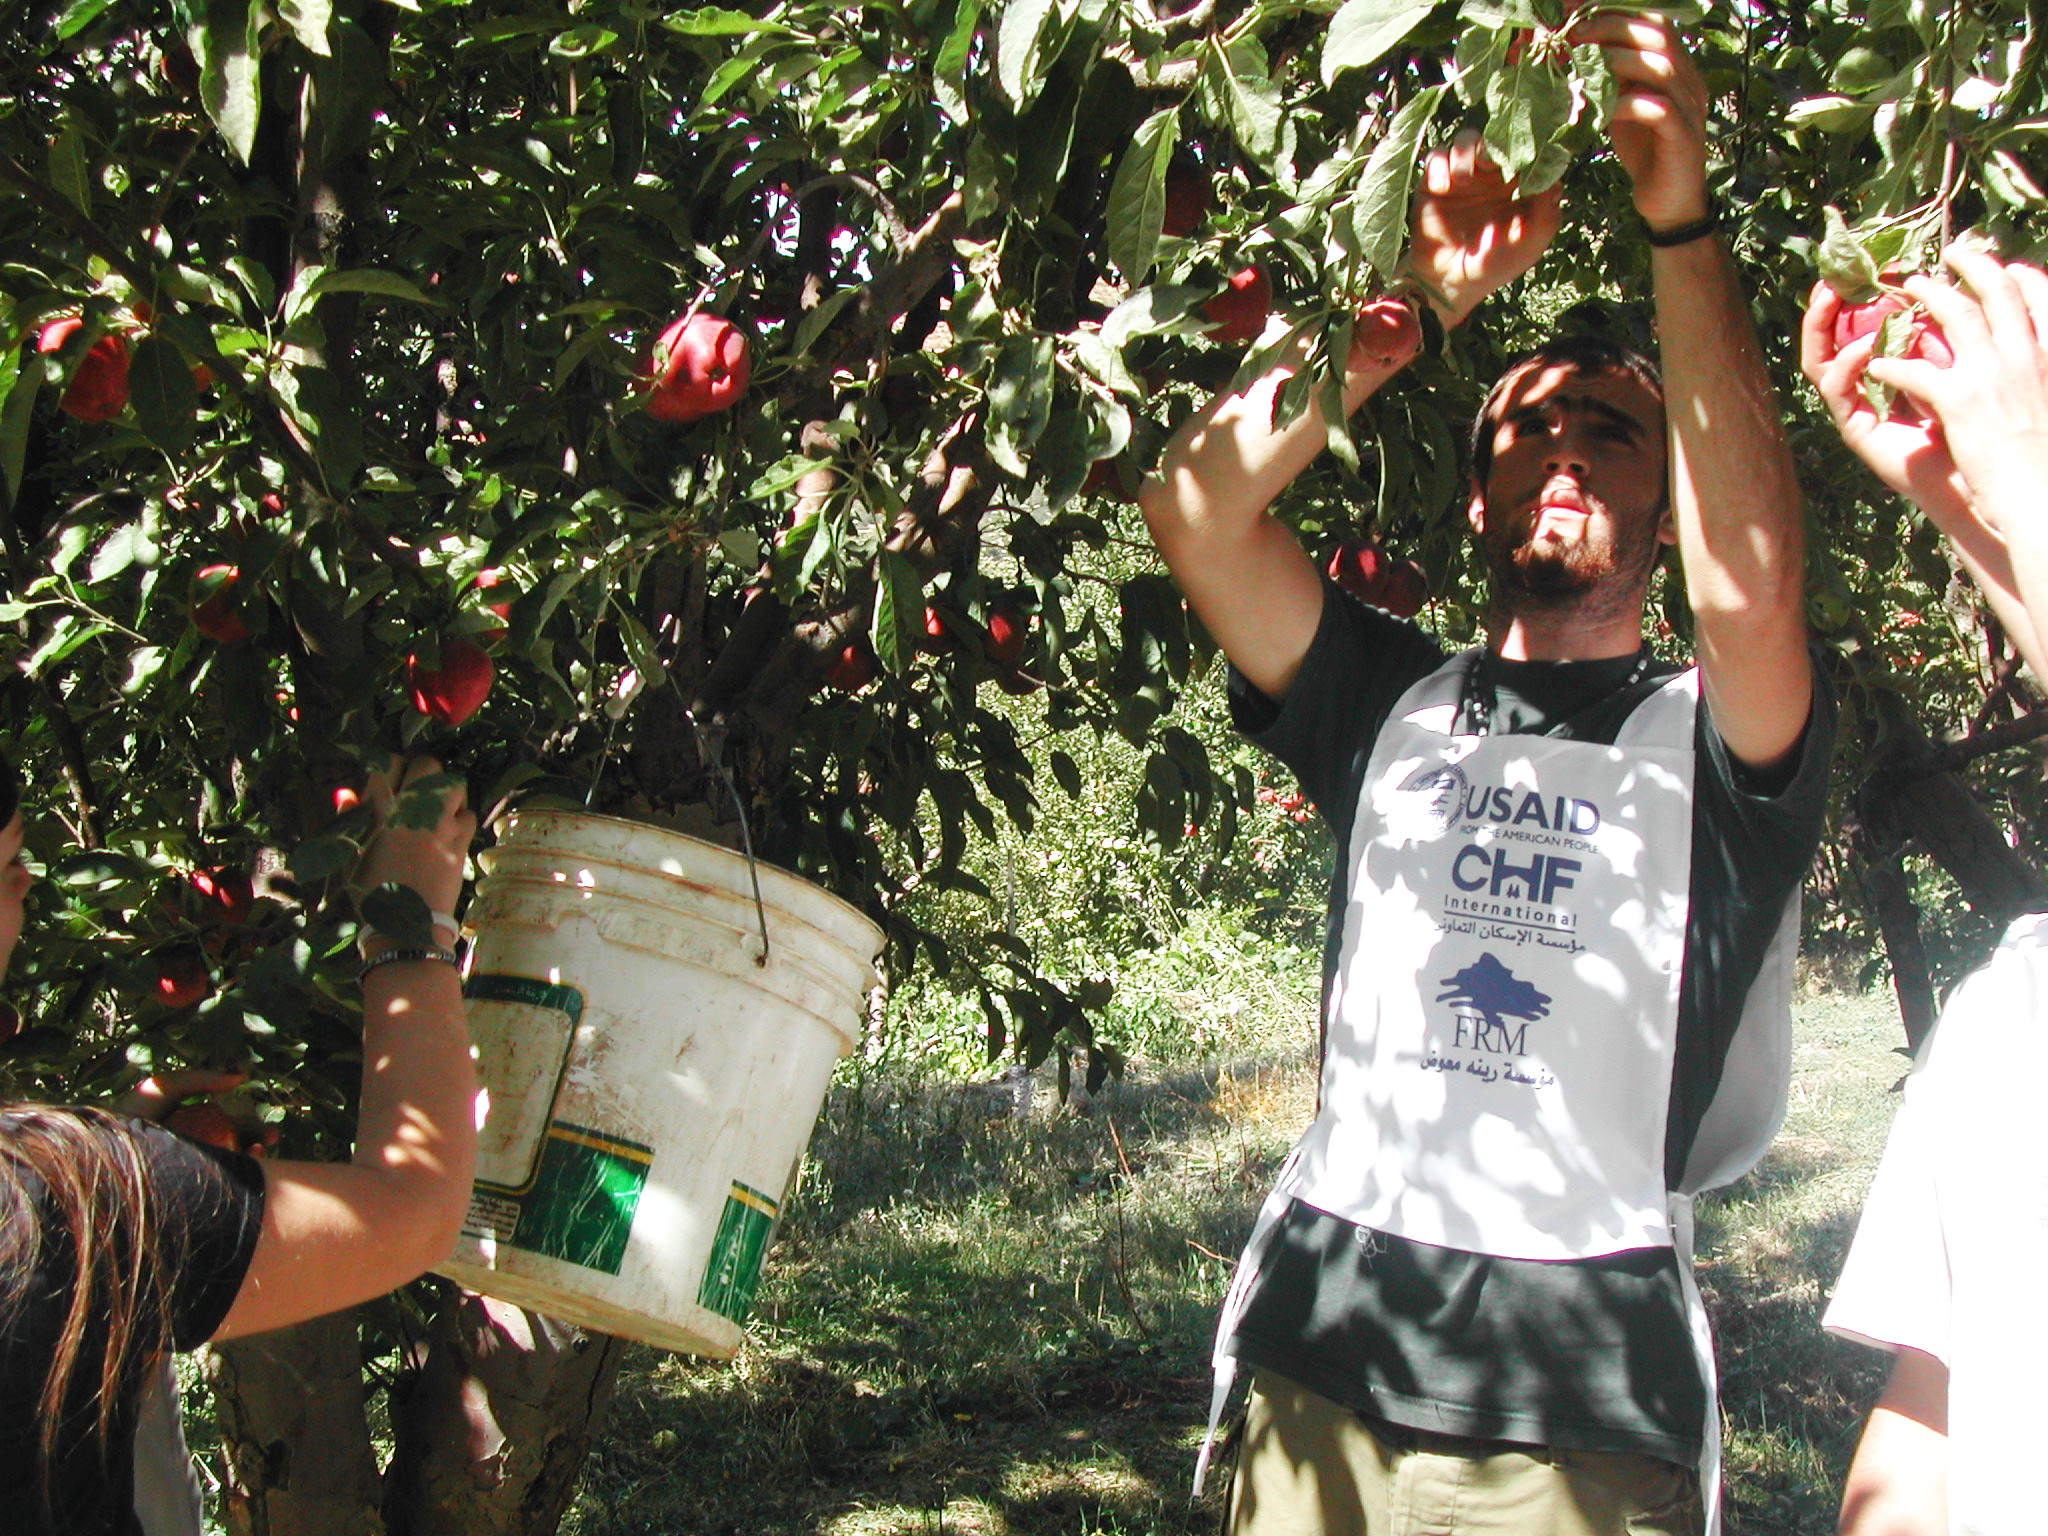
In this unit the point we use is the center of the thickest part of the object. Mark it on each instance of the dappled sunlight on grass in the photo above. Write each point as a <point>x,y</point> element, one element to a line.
<point>989,1312</point>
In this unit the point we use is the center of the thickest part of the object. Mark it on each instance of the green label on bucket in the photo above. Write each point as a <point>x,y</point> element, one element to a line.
<point>580,1208</point>
<point>734,1268</point>
<point>495,985</point>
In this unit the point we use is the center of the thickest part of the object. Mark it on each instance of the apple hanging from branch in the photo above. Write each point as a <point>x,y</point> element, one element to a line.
<point>212,607</point>
<point>700,367</point>
<point>1238,314</point>
<point>98,388</point>
<point>456,688</point>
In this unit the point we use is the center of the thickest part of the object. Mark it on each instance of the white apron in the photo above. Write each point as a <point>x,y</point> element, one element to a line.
<point>1503,1019</point>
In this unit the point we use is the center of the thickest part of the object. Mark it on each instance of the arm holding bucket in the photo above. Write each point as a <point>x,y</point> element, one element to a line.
<point>338,1233</point>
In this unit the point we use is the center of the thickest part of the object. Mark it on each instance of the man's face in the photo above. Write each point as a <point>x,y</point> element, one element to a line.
<point>1575,494</point>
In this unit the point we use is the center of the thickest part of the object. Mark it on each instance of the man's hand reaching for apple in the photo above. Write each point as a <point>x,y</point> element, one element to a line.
<point>1472,232</point>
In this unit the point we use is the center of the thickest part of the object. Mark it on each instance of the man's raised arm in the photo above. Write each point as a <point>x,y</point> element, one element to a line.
<point>1735,493</point>
<point>1245,573</point>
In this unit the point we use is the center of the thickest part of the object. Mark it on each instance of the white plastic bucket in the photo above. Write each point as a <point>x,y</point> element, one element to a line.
<point>647,1083</point>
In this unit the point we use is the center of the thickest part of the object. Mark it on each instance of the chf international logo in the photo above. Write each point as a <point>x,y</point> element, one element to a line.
<point>1484,997</point>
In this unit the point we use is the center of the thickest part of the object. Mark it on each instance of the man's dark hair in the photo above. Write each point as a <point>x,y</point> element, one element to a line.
<point>1578,352</point>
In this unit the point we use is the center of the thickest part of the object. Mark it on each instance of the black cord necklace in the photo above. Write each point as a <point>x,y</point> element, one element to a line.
<point>1482,695</point>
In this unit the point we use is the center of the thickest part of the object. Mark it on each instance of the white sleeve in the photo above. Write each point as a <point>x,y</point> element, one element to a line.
<point>1894,1289</point>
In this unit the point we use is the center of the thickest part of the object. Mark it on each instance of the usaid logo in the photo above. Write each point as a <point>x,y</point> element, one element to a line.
<point>1431,794</point>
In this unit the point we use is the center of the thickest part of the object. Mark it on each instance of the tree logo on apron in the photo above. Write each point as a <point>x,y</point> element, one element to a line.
<point>1485,997</point>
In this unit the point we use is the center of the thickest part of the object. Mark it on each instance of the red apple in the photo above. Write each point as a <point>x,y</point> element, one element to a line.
<point>1356,565</point>
<point>454,690</point>
<point>1924,342</point>
<point>852,668</point>
<point>1403,589</point>
<point>99,385</point>
<point>1008,633</point>
<point>181,978</point>
<point>207,1123</point>
<point>212,606</point>
<point>938,631</point>
<point>1188,198</point>
<point>699,368</point>
<point>180,70</point>
<point>1386,330</point>
<point>1238,314</point>
<point>501,605</point>
<point>230,893</point>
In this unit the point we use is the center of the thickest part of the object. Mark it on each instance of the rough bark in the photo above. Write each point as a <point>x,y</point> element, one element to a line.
<point>494,1427</point>
<point>295,1443</point>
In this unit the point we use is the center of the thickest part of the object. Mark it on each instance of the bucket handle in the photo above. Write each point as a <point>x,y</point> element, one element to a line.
<point>708,753</point>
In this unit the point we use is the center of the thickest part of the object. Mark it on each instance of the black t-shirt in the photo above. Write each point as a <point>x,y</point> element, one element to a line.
<point>1589,1354</point>
<point>208,1207</point>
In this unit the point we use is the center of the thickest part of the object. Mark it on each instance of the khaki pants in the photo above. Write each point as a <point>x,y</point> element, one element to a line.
<point>1308,1467</point>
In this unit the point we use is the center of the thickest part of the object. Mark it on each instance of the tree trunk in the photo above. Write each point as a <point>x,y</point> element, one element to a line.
<point>294,1439</point>
<point>493,1428</point>
<point>1898,921</point>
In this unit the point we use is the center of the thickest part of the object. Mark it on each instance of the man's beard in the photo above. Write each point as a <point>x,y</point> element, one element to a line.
<point>1526,576</point>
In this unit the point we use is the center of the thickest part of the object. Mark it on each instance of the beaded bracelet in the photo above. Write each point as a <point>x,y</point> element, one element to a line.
<point>394,956</point>
<point>435,921</point>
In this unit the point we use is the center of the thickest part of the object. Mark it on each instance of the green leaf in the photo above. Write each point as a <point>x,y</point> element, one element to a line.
<point>1165,309</point>
<point>1831,114</point>
<point>1020,64</point>
<point>1363,30</point>
<point>1529,104</point>
<point>130,544</point>
<point>21,388</point>
<point>308,20</point>
<point>160,388</point>
<point>1379,206</point>
<point>1845,265</point>
<point>710,21</point>
<point>899,605</point>
<point>144,663</point>
<point>188,285</point>
<point>813,324</point>
<point>76,17</point>
<point>355,280</point>
<point>1595,76</point>
<point>949,63</point>
<point>582,42</point>
<point>228,46</point>
<point>1137,196</point>
<point>400,914</point>
<point>1020,391</point>
<point>71,166</point>
<point>1480,53</point>
<point>1244,95</point>
<point>1861,69</point>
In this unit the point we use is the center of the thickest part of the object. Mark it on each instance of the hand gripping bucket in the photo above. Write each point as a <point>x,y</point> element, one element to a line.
<point>647,1083</point>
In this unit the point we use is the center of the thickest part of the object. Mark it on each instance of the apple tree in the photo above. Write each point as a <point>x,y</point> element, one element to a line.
<point>729,416</point>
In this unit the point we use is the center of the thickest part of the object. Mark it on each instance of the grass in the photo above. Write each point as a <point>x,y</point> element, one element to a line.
<point>981,1320</point>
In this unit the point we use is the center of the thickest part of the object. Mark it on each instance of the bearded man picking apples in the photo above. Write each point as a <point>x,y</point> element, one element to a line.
<point>1954,1234</point>
<point>1557,985</point>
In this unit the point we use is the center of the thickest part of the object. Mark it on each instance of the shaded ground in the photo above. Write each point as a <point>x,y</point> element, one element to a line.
<point>985,1321</point>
